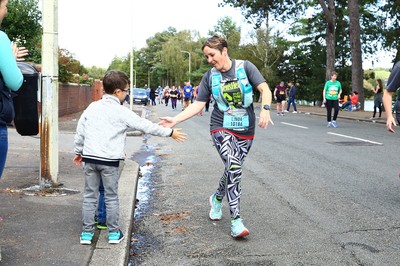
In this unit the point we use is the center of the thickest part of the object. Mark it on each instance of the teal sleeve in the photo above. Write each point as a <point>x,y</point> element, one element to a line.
<point>9,70</point>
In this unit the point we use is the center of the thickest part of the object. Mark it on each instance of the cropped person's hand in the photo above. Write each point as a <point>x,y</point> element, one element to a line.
<point>178,135</point>
<point>19,52</point>
<point>390,122</point>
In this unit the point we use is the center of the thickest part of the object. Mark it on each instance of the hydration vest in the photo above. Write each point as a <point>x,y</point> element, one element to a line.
<point>244,84</point>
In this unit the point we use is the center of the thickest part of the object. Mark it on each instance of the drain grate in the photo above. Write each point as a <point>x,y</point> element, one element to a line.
<point>354,143</point>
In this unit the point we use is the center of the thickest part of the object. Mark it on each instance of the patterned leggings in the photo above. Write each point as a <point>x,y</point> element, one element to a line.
<point>233,151</point>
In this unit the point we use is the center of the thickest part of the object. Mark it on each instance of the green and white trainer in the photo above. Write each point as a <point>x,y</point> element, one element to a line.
<point>216,208</point>
<point>238,229</point>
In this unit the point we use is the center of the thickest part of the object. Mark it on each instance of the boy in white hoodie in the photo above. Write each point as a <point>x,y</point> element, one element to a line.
<point>99,143</point>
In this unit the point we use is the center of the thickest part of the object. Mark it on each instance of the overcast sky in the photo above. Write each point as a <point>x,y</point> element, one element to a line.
<point>96,31</point>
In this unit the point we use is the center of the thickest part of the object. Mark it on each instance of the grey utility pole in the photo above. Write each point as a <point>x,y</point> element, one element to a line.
<point>49,119</point>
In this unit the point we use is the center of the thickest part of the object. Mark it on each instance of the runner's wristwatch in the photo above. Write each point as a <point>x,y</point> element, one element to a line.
<point>267,107</point>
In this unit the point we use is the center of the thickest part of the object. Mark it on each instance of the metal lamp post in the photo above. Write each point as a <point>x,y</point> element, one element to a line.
<point>151,69</point>
<point>187,52</point>
<point>131,85</point>
<point>131,90</point>
<point>134,85</point>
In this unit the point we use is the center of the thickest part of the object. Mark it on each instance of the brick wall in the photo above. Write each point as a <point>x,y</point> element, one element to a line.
<point>74,98</point>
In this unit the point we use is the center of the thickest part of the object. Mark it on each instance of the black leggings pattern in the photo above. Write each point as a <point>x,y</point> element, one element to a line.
<point>233,151</point>
<point>329,105</point>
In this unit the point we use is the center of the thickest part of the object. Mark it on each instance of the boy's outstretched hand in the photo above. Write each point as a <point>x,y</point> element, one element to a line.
<point>178,135</point>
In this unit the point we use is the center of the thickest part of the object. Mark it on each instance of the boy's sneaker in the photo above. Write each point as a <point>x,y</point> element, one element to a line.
<point>238,229</point>
<point>86,238</point>
<point>115,237</point>
<point>216,208</point>
<point>101,226</point>
<point>329,124</point>
<point>294,112</point>
<point>334,124</point>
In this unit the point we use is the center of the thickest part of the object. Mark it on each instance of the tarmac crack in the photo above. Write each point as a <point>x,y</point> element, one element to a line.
<point>360,245</point>
<point>371,230</point>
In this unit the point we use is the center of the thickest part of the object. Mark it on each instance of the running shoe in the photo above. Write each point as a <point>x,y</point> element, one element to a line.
<point>86,238</point>
<point>238,229</point>
<point>216,208</point>
<point>115,237</point>
<point>294,112</point>
<point>329,124</point>
<point>334,124</point>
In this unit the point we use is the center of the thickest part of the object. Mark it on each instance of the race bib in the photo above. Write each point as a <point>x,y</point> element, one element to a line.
<point>236,119</point>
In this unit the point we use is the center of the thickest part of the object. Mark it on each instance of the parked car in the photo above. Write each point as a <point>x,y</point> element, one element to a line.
<point>140,96</point>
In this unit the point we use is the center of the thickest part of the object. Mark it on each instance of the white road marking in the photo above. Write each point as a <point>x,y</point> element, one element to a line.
<point>349,137</point>
<point>293,125</point>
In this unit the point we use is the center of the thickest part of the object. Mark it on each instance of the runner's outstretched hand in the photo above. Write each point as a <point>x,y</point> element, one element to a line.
<point>390,122</point>
<point>167,122</point>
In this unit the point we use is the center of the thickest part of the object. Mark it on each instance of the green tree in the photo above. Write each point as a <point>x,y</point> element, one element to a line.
<point>157,73</point>
<point>390,26</point>
<point>356,54</point>
<point>259,11</point>
<point>69,69</point>
<point>22,25</point>
<point>330,19</point>
<point>227,28</point>
<point>96,72</point>
<point>174,59</point>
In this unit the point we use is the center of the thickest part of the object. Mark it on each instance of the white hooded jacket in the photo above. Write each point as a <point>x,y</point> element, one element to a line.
<point>101,130</point>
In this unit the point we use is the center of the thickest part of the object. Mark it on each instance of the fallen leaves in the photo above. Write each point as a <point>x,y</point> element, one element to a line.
<point>169,218</point>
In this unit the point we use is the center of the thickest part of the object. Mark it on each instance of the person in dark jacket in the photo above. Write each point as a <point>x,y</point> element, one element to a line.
<point>153,97</point>
<point>292,98</point>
